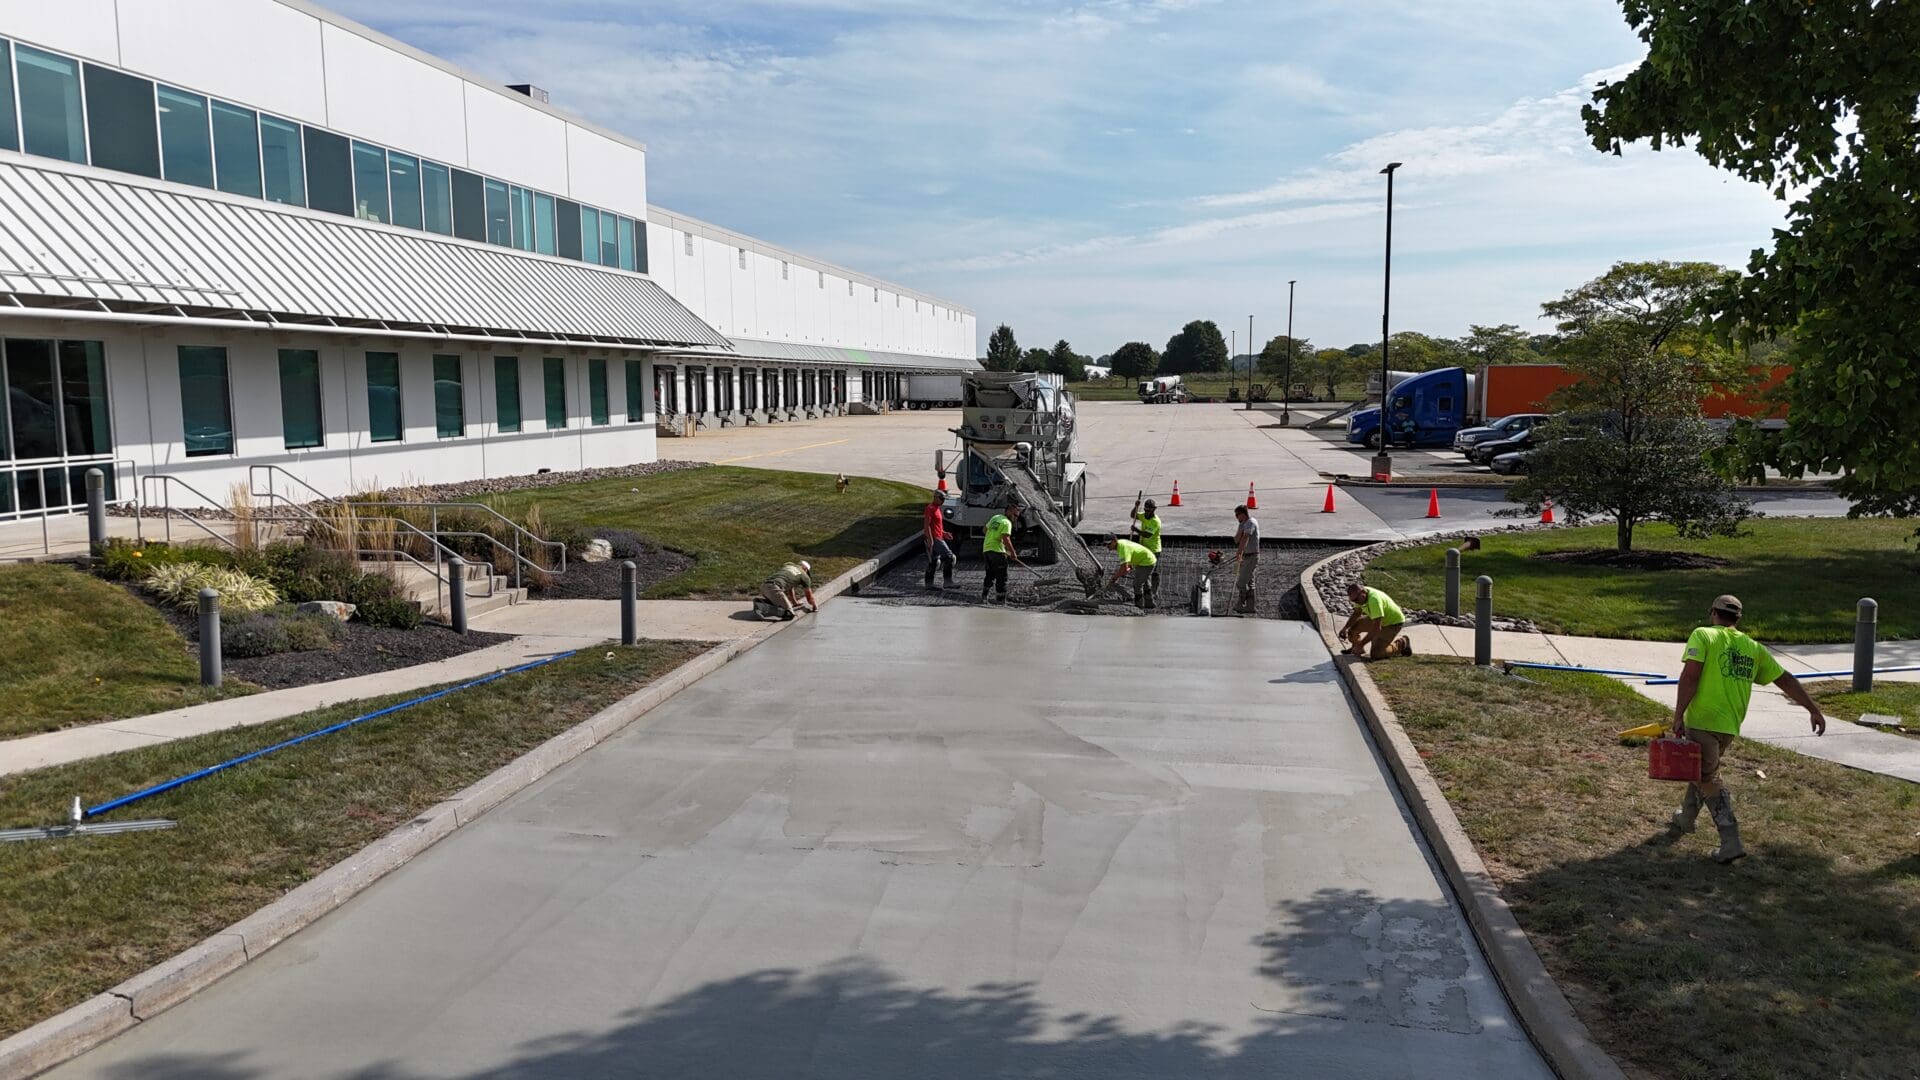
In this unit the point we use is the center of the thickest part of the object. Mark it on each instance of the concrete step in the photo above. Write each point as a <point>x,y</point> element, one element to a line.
<point>480,605</point>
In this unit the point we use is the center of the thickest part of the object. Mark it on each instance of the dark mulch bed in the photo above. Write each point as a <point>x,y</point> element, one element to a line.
<point>365,650</point>
<point>1634,560</point>
<point>653,564</point>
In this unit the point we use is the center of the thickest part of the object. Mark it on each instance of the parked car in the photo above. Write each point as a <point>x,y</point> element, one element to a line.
<point>1503,428</point>
<point>1511,464</point>
<point>1484,451</point>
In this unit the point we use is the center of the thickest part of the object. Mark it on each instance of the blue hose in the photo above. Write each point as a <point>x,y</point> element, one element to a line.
<point>298,739</point>
<point>1807,674</point>
<point>1585,670</point>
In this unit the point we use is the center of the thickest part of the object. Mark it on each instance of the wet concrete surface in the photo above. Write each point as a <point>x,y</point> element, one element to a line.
<point>1052,587</point>
<point>907,842</point>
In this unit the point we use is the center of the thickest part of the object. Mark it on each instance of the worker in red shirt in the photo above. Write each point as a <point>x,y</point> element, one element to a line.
<point>933,530</point>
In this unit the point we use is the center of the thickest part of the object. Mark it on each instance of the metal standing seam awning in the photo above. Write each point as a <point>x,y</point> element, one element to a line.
<point>75,243</point>
<point>751,350</point>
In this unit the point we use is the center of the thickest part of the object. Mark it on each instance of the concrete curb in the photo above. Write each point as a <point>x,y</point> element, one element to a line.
<point>92,1022</point>
<point>1543,1010</point>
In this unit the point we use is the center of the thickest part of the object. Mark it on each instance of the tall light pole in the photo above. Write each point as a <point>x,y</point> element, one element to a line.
<point>1286,384</point>
<point>1253,357</point>
<point>1232,347</point>
<point>1383,461</point>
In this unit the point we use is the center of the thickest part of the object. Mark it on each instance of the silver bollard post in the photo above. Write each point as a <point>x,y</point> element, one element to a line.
<point>457,594</point>
<point>1483,621</point>
<point>629,603</point>
<point>1453,581</point>
<point>96,510</point>
<point>209,638</point>
<point>1866,627</point>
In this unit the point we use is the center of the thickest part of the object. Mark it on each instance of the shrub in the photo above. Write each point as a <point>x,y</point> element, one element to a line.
<point>260,635</point>
<point>393,611</point>
<point>179,585</point>
<point>304,572</point>
<point>122,559</point>
<point>311,633</point>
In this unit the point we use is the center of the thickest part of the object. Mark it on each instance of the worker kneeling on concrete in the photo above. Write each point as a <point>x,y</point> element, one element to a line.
<point>783,591</point>
<point>1138,563</point>
<point>1373,632</point>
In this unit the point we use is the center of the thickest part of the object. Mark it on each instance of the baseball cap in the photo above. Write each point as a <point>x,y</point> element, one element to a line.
<point>1728,604</point>
<point>807,566</point>
<point>1151,505</point>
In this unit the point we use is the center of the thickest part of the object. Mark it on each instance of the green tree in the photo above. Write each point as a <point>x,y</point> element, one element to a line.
<point>1003,353</point>
<point>1063,361</point>
<point>1362,348</point>
<point>1503,344</point>
<point>1135,360</point>
<point>1198,347</point>
<point>1331,367</point>
<point>1273,357</point>
<point>1817,101</point>
<point>1034,360</point>
<point>1634,447</point>
<point>1414,351</point>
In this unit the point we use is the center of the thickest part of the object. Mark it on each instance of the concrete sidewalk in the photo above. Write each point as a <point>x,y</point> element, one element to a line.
<point>1771,718</point>
<point>543,628</point>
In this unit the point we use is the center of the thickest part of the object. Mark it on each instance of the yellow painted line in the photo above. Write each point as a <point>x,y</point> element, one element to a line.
<point>788,450</point>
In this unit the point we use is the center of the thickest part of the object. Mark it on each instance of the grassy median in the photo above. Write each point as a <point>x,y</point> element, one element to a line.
<point>1802,960</point>
<point>79,916</point>
<point>740,524</point>
<point>1898,699</point>
<point>77,650</point>
<point>1800,579</point>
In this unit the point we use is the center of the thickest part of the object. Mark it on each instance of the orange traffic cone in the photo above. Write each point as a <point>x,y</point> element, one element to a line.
<point>1327,507</point>
<point>943,483</point>
<point>1433,502</point>
<point>1175,501</point>
<point>1252,503</point>
<point>1546,515</point>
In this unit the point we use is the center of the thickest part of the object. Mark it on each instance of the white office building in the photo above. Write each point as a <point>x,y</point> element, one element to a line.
<point>250,232</point>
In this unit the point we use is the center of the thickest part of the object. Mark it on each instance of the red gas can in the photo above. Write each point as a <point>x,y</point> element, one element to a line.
<point>1670,758</point>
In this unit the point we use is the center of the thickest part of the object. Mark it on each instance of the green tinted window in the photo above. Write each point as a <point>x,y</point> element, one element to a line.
<point>499,215</point>
<point>597,391</point>
<point>383,396</point>
<point>186,140</point>
<point>50,123</point>
<point>120,120</point>
<point>33,398</point>
<point>83,397</point>
<point>437,194</point>
<point>636,401</point>
<point>300,424</point>
<point>449,405</point>
<point>506,392</point>
<point>283,161</point>
<point>206,410</point>
<point>555,384</point>
<point>522,202</point>
<point>236,149</point>
<point>403,174</point>
<point>329,171</point>
<point>370,201</point>
<point>589,234</point>
<point>543,224</point>
<point>9,130</point>
<point>626,244</point>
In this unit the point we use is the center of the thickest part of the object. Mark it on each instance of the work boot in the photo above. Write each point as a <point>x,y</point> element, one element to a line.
<point>1730,848</point>
<point>1405,646</point>
<point>1683,818</point>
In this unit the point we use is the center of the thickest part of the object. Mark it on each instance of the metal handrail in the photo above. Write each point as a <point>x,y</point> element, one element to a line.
<point>39,467</point>
<point>168,510</point>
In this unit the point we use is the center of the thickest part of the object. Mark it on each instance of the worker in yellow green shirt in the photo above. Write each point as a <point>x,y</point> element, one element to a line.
<point>996,550</point>
<point>1373,632</point>
<point>1146,527</point>
<point>1135,562</point>
<point>1722,664</point>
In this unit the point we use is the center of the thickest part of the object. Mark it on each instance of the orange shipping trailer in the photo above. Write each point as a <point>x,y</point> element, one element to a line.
<point>1505,389</point>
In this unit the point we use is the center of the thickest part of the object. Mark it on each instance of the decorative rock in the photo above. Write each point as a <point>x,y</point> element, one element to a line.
<point>332,609</point>
<point>597,550</point>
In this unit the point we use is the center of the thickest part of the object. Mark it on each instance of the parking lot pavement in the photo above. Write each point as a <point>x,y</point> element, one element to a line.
<point>907,841</point>
<point>1403,507</point>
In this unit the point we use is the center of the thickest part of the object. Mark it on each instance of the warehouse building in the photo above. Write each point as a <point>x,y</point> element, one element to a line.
<point>238,235</point>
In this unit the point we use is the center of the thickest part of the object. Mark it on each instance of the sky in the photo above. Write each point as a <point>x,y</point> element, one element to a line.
<point>1104,171</point>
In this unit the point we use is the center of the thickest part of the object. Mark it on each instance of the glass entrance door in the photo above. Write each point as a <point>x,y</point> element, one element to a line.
<point>54,426</point>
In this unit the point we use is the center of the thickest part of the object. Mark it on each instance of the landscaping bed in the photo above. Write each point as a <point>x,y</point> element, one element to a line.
<point>78,916</point>
<point>1799,961</point>
<point>1799,578</point>
<point>653,566</point>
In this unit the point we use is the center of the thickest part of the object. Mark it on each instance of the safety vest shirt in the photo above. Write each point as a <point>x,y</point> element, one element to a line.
<point>1149,532</point>
<point>1730,663</point>
<point>994,538</point>
<point>1133,554</point>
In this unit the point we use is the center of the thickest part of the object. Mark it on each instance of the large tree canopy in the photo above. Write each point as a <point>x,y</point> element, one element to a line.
<point>1818,101</point>
<point>1199,346</point>
<point>1135,360</point>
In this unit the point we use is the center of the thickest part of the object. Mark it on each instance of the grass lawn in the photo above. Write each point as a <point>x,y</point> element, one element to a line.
<point>1214,386</point>
<point>1901,699</point>
<point>79,916</point>
<point>741,524</point>
<point>1802,960</point>
<point>76,650</point>
<point>1800,579</point>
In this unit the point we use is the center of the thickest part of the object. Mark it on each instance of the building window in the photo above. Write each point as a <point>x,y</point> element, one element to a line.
<point>554,384</point>
<point>743,258</point>
<point>506,393</point>
<point>469,206</point>
<point>403,179</point>
<point>783,269</point>
<point>543,224</point>
<point>283,162</point>
<point>370,199</point>
<point>436,198</point>
<point>120,122</point>
<point>83,398</point>
<point>33,400</point>
<point>849,287</point>
<point>689,243</point>
<point>823,278</point>
<point>236,150</point>
<point>383,397</point>
<point>206,409</point>
<point>636,400</point>
<point>449,403</point>
<point>567,237</point>
<point>50,121</point>
<point>329,171</point>
<point>609,239</point>
<point>301,425</point>
<point>9,133</point>
<point>597,392</point>
<point>626,244</point>
<point>520,201</point>
<point>639,247</point>
<point>186,140</point>
<point>589,234</point>
<point>876,296</point>
<point>499,215</point>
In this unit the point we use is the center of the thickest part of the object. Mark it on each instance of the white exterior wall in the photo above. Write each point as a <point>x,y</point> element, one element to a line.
<point>295,60</point>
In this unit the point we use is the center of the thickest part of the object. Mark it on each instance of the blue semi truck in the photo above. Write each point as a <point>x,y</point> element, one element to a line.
<point>1423,410</point>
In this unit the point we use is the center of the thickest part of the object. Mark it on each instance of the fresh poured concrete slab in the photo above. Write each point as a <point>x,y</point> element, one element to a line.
<point>908,841</point>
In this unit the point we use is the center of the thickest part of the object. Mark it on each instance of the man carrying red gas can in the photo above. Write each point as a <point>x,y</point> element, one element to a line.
<point>1722,666</point>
